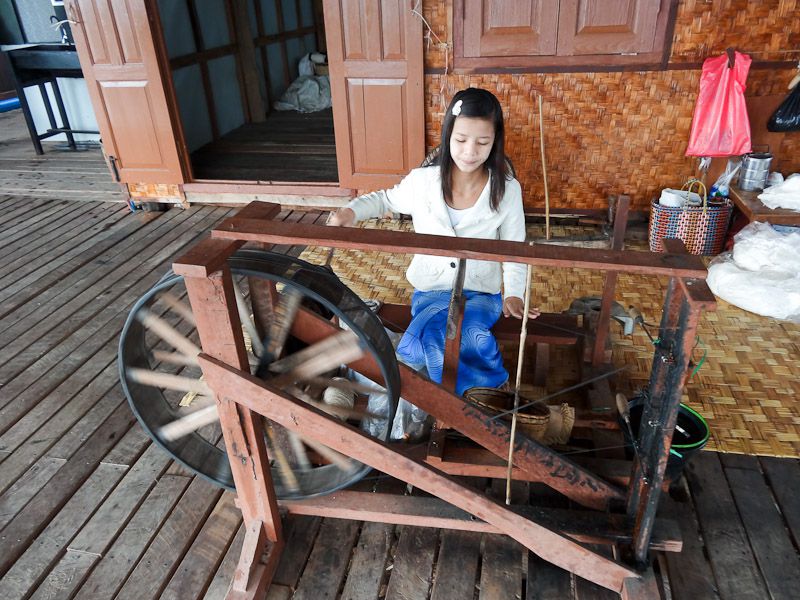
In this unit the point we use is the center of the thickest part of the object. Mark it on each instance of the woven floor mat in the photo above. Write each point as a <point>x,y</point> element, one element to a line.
<point>746,387</point>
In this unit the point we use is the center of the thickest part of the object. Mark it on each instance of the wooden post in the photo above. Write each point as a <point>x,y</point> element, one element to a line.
<point>599,356</point>
<point>684,301</point>
<point>210,289</point>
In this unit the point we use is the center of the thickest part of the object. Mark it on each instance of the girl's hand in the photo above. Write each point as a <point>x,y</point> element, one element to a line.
<point>344,217</point>
<point>514,306</point>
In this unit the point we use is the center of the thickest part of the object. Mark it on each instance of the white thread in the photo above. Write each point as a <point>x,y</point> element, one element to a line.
<point>338,397</point>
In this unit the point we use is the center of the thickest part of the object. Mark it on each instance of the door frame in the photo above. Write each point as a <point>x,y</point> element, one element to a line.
<point>223,186</point>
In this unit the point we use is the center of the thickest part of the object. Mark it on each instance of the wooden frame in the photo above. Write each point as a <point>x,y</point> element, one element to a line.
<point>240,396</point>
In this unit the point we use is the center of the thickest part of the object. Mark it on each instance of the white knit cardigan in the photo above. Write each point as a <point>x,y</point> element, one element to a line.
<point>419,195</point>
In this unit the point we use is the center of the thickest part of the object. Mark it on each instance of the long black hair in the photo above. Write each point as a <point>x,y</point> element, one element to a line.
<point>482,104</point>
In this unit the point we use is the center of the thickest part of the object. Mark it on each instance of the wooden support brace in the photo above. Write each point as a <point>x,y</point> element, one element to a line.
<point>258,396</point>
<point>258,560</point>
<point>545,464</point>
<point>424,511</point>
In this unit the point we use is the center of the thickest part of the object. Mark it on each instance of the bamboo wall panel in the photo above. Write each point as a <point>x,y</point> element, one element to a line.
<point>619,132</point>
<point>705,28</point>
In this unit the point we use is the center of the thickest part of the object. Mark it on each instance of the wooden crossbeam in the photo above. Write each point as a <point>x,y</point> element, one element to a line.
<point>400,242</point>
<point>258,396</point>
<point>424,511</point>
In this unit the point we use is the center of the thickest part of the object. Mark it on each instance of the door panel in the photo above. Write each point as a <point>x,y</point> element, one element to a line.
<point>510,27</point>
<point>607,26</point>
<point>376,73</point>
<point>118,59</point>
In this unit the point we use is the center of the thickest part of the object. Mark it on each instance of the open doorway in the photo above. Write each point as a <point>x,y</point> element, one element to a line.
<point>232,63</point>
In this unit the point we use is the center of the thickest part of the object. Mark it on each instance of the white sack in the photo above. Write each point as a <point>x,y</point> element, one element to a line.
<point>762,274</point>
<point>307,94</point>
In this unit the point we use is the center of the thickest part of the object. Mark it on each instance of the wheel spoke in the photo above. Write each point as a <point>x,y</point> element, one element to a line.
<point>247,320</point>
<point>284,468</point>
<point>343,384</point>
<point>175,358</point>
<point>181,308</point>
<point>167,332</point>
<point>282,320</point>
<point>336,458</point>
<point>190,423</point>
<point>168,381</point>
<point>318,358</point>
<point>299,451</point>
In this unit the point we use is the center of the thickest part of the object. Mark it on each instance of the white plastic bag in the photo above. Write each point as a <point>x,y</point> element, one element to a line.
<point>761,274</point>
<point>783,195</point>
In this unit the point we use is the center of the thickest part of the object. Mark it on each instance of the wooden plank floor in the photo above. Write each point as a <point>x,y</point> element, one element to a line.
<point>89,508</point>
<point>60,173</point>
<point>287,146</point>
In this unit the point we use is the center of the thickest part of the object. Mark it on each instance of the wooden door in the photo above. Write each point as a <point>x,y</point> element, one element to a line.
<point>510,27</point>
<point>607,26</point>
<point>376,73</point>
<point>118,58</point>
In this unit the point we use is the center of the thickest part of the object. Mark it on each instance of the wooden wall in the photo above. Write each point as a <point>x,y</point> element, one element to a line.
<point>625,132</point>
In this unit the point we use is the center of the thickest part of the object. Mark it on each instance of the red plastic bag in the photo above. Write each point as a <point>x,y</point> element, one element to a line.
<point>720,126</point>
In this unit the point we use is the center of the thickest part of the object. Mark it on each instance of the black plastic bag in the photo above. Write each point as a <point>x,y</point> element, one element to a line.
<point>787,116</point>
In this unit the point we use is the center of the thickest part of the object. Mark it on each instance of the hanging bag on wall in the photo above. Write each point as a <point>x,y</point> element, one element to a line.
<point>701,227</point>
<point>787,116</point>
<point>720,126</point>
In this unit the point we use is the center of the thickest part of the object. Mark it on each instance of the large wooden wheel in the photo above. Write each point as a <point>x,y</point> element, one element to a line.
<point>162,380</point>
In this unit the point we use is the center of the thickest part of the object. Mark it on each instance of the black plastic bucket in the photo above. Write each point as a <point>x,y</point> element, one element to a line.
<point>689,437</point>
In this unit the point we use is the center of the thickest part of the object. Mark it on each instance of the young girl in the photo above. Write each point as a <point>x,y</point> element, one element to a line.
<point>469,190</point>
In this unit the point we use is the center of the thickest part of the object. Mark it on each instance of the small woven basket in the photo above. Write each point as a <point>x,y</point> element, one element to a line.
<point>543,423</point>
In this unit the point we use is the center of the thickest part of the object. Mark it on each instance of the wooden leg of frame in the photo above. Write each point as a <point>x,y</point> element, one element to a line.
<point>257,563</point>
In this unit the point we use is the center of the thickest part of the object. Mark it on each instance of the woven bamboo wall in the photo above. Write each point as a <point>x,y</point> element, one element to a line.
<point>621,133</point>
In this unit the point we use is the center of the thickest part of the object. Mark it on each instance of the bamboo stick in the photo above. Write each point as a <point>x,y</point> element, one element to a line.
<point>520,357</point>
<point>544,172</point>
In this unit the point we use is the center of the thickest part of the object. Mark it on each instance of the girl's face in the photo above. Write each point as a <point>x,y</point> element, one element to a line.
<point>471,142</point>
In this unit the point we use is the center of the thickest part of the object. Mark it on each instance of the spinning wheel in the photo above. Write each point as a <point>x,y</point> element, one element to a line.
<point>162,380</point>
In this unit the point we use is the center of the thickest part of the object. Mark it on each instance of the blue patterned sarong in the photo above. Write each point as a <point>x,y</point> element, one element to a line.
<point>480,362</point>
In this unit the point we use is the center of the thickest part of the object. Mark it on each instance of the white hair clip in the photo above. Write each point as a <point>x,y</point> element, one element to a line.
<point>456,110</point>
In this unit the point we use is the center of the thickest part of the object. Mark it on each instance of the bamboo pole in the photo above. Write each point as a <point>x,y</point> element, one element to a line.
<point>520,357</point>
<point>544,172</point>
